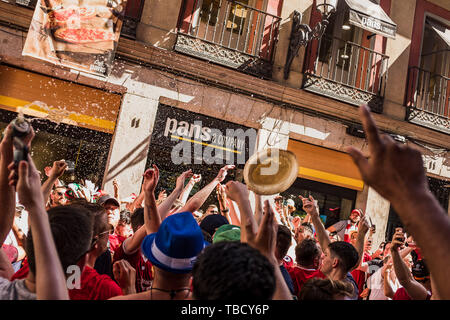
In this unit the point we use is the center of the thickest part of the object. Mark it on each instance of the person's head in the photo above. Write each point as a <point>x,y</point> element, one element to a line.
<point>290,205</point>
<point>326,289</point>
<point>212,209</point>
<point>284,240</point>
<point>353,237</point>
<point>112,207</point>
<point>100,228</point>
<point>210,223</point>
<point>308,254</point>
<point>72,230</point>
<point>137,219</point>
<point>278,200</point>
<point>176,244</point>
<point>339,256</point>
<point>421,273</point>
<point>58,196</point>
<point>123,227</point>
<point>232,270</point>
<point>227,232</point>
<point>304,231</point>
<point>355,215</point>
<point>368,245</point>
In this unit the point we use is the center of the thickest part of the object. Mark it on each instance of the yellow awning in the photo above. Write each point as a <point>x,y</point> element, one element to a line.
<point>326,165</point>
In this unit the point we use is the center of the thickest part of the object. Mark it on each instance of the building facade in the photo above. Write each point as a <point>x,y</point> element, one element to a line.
<point>186,68</point>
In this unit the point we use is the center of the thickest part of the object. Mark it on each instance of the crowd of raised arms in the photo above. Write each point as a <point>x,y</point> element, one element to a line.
<point>75,242</point>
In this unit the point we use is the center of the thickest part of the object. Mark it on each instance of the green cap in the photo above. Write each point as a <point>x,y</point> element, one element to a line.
<point>227,232</point>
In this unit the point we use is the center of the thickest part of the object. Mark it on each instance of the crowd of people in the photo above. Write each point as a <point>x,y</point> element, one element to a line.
<point>74,241</point>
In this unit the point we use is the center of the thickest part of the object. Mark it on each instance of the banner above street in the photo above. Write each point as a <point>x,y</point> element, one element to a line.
<point>81,35</point>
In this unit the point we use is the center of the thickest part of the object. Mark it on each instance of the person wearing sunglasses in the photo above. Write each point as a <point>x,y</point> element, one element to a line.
<point>58,197</point>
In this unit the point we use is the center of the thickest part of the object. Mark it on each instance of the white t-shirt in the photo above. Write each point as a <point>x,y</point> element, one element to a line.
<point>15,290</point>
<point>376,286</point>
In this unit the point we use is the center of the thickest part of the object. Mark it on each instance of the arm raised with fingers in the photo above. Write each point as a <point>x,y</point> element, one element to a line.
<point>405,185</point>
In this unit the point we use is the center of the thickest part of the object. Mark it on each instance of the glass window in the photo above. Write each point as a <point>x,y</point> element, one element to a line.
<point>328,197</point>
<point>88,149</point>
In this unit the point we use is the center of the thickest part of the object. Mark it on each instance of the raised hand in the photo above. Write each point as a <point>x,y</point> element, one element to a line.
<point>125,275</point>
<point>223,172</point>
<point>57,169</point>
<point>266,237</point>
<point>28,185</point>
<point>196,178</point>
<point>162,196</point>
<point>309,205</point>
<point>398,239</point>
<point>236,191</point>
<point>387,159</point>
<point>182,178</point>
<point>151,178</point>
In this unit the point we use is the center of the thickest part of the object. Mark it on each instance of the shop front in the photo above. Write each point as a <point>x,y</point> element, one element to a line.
<point>183,140</point>
<point>72,122</point>
<point>329,176</point>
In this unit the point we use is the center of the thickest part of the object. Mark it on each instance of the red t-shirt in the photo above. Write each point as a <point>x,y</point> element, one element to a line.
<point>360,276</point>
<point>143,267</point>
<point>115,241</point>
<point>401,294</point>
<point>95,286</point>
<point>300,276</point>
<point>22,273</point>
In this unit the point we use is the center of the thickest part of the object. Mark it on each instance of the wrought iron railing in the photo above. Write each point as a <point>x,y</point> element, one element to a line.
<point>228,32</point>
<point>428,99</point>
<point>346,71</point>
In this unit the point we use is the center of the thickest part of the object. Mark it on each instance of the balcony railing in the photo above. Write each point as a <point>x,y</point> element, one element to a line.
<point>346,71</point>
<point>229,33</point>
<point>428,99</point>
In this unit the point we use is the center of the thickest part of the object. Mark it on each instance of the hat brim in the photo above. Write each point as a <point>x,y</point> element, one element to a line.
<point>148,242</point>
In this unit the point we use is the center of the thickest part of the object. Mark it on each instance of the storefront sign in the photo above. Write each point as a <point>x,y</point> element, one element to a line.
<point>81,35</point>
<point>372,24</point>
<point>196,139</point>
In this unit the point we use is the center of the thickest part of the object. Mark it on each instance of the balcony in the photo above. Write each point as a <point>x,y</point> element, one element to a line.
<point>428,97</point>
<point>347,72</point>
<point>229,33</point>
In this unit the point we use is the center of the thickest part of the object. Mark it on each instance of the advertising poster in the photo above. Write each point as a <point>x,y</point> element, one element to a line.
<point>79,34</point>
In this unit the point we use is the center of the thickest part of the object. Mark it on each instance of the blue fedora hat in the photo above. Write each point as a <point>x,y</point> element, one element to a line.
<point>176,244</point>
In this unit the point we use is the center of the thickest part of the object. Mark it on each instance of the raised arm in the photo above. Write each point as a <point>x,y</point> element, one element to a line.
<point>7,192</point>
<point>196,178</point>
<point>50,278</point>
<point>258,209</point>
<point>264,239</point>
<point>405,185</point>
<point>309,205</point>
<point>414,289</point>
<point>54,174</point>
<point>166,205</point>
<point>197,200</point>
<point>152,219</point>
<point>238,193</point>
<point>223,202</point>
<point>363,227</point>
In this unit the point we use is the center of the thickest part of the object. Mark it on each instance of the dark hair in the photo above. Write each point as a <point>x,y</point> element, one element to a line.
<point>307,225</point>
<point>71,228</point>
<point>232,270</point>
<point>284,240</point>
<point>98,212</point>
<point>346,253</point>
<point>137,219</point>
<point>306,251</point>
<point>206,236</point>
<point>325,289</point>
<point>125,217</point>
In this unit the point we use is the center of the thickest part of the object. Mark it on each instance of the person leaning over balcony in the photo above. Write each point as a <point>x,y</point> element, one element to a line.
<point>405,186</point>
